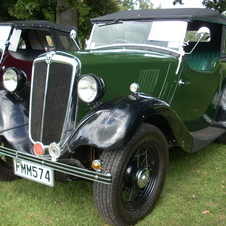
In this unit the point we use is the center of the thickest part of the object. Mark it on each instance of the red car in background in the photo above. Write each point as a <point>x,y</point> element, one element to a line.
<point>22,41</point>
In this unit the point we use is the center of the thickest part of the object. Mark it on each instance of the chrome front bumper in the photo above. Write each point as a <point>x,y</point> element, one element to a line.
<point>57,166</point>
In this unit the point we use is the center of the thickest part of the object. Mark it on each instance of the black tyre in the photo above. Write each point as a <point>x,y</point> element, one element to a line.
<point>222,139</point>
<point>138,175</point>
<point>6,172</point>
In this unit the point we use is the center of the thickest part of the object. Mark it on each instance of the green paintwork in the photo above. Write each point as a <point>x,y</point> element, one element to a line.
<point>194,103</point>
<point>156,75</point>
<point>154,72</point>
<point>119,70</point>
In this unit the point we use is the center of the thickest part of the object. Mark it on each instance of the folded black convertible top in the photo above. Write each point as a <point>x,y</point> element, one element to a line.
<point>23,24</point>
<point>165,14</point>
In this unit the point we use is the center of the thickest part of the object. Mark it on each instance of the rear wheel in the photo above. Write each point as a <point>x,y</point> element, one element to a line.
<point>138,174</point>
<point>222,139</point>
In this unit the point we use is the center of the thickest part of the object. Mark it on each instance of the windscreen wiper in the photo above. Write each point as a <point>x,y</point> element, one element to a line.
<point>115,21</point>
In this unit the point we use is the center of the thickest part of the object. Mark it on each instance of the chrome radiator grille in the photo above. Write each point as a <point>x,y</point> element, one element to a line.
<point>52,85</point>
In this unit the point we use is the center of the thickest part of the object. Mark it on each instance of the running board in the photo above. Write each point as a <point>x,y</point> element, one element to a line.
<point>205,136</point>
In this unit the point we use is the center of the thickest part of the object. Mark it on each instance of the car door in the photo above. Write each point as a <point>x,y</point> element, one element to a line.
<point>199,87</point>
<point>195,100</point>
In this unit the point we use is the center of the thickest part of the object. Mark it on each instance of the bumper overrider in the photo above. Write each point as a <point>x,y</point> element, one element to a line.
<point>58,166</point>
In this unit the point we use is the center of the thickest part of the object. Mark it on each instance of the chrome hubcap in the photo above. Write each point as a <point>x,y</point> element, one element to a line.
<point>142,177</point>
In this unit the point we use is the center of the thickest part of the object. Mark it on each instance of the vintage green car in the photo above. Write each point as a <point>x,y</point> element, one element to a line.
<point>148,80</point>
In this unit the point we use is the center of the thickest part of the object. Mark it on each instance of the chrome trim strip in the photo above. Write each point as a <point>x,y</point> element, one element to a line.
<point>60,167</point>
<point>44,102</point>
<point>30,102</point>
<point>76,66</point>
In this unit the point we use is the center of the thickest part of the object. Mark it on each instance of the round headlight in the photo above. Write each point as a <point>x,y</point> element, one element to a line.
<point>13,79</point>
<point>90,88</point>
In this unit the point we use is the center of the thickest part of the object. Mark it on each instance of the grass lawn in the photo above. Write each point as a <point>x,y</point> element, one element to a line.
<point>194,194</point>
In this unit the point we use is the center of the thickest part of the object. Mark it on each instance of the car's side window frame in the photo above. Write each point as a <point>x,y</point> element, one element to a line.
<point>223,44</point>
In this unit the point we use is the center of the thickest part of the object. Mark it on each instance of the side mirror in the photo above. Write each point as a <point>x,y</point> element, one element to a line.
<point>73,36</point>
<point>203,33</point>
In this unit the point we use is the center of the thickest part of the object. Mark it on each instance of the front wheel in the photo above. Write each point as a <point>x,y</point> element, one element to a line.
<point>6,171</point>
<point>138,174</point>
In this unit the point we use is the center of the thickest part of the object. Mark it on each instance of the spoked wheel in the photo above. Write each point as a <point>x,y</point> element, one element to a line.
<point>138,174</point>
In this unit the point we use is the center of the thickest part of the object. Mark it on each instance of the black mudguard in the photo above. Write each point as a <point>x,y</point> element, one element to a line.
<point>112,124</point>
<point>14,121</point>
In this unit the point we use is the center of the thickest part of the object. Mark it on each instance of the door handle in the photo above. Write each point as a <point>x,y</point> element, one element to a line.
<point>182,83</point>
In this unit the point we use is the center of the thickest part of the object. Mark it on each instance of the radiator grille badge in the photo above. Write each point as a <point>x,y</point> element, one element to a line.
<point>49,57</point>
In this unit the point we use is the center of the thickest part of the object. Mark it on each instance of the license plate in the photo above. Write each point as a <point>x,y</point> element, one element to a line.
<point>35,172</point>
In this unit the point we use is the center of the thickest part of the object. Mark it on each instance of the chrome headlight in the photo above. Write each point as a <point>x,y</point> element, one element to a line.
<point>90,88</point>
<point>13,79</point>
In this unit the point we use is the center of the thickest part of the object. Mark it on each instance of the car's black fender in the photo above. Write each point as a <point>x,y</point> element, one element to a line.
<point>111,124</point>
<point>14,121</point>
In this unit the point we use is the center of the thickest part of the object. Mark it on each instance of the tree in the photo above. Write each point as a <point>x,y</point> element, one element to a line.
<point>218,5</point>
<point>67,13</point>
<point>131,4</point>
<point>4,10</point>
<point>145,4</point>
<point>126,4</point>
<point>33,10</point>
<point>178,1</point>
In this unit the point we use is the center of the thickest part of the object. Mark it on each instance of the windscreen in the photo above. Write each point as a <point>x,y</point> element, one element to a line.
<point>163,34</point>
<point>4,31</point>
